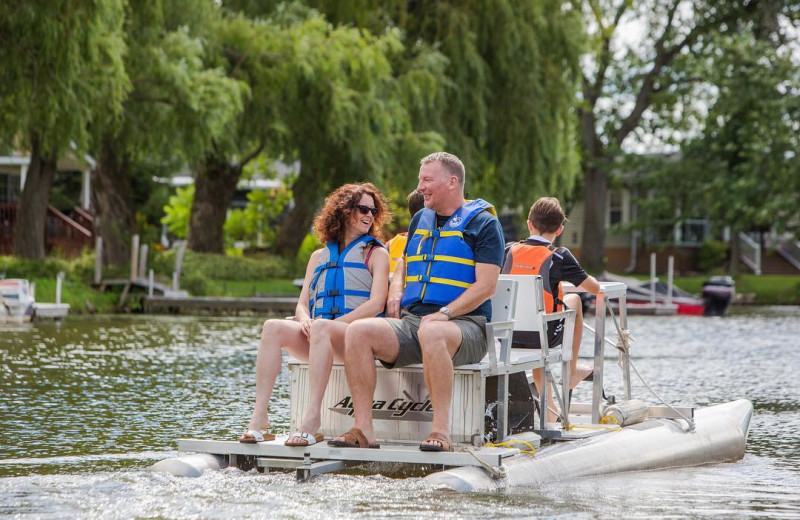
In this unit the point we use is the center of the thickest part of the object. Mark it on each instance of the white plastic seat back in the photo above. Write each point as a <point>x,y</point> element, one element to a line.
<point>504,300</point>
<point>530,301</point>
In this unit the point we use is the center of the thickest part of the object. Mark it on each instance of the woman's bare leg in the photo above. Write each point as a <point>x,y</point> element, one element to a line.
<point>327,345</point>
<point>274,335</point>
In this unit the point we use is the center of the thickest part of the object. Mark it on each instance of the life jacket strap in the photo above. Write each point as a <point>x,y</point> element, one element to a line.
<point>435,279</point>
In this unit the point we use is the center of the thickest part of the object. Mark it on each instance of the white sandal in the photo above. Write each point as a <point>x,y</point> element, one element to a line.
<point>310,439</point>
<point>253,436</point>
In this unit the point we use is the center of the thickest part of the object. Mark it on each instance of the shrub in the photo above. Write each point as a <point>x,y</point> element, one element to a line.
<point>195,284</point>
<point>711,255</point>
<point>224,267</point>
<point>309,245</point>
<point>26,268</point>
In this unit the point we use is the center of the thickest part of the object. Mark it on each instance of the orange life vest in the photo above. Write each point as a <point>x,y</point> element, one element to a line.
<point>532,259</point>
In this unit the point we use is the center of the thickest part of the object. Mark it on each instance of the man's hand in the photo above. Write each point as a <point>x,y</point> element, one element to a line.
<point>435,316</point>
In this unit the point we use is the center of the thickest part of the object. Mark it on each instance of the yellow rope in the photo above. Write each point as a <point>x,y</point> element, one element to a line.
<point>609,419</point>
<point>510,444</point>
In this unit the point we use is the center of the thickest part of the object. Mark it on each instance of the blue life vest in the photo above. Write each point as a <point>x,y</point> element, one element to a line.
<point>342,280</point>
<point>440,265</point>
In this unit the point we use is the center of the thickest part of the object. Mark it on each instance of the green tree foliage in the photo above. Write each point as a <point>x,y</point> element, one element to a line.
<point>178,210</point>
<point>741,171</point>
<point>506,103</point>
<point>637,90</point>
<point>256,224</point>
<point>325,95</point>
<point>177,107</point>
<point>62,71</point>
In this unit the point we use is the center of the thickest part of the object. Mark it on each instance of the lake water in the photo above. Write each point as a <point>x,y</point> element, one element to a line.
<point>87,405</point>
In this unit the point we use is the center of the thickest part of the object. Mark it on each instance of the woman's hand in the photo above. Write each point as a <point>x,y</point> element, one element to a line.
<point>305,326</point>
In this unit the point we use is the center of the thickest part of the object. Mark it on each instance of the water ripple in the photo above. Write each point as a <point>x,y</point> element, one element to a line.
<point>87,405</point>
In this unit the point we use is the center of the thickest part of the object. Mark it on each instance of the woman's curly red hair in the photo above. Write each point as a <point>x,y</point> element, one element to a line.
<point>330,223</point>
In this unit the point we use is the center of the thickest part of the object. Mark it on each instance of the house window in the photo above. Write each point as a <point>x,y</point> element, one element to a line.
<point>4,195</point>
<point>614,208</point>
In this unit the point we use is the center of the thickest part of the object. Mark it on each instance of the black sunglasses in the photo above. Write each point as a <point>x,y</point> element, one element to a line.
<point>366,209</point>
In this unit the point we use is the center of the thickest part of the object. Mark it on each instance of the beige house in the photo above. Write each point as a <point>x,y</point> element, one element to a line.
<point>629,250</point>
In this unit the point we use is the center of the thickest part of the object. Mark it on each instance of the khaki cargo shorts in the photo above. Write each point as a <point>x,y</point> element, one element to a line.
<point>471,350</point>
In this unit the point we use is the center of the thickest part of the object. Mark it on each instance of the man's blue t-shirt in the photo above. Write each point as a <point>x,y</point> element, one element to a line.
<point>485,236</point>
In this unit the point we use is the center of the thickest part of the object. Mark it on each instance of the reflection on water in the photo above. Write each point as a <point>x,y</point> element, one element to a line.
<point>87,405</point>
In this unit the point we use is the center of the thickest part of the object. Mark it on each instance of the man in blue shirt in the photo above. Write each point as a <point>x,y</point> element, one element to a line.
<point>452,262</point>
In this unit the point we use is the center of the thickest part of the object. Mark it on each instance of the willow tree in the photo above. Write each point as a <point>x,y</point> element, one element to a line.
<point>176,108</point>
<point>322,94</point>
<point>506,103</point>
<point>62,68</point>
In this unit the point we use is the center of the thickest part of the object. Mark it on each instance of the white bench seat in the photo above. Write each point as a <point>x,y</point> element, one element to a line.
<point>406,385</point>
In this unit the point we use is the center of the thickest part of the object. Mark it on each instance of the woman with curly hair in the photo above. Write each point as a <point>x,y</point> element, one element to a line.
<point>346,280</point>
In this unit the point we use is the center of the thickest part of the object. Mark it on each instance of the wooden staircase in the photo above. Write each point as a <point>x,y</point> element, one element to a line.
<point>69,234</point>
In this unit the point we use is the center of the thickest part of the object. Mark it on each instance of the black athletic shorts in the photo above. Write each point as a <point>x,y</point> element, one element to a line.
<point>530,339</point>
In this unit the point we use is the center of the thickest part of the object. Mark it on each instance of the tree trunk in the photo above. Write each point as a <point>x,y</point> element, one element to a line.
<point>593,242</point>
<point>113,206</point>
<point>29,230</point>
<point>297,223</point>
<point>214,187</point>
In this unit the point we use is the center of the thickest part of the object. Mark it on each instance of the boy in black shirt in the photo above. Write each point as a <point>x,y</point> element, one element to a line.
<point>537,255</point>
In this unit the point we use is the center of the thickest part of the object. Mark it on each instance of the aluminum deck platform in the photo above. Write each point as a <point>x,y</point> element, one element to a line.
<point>322,458</point>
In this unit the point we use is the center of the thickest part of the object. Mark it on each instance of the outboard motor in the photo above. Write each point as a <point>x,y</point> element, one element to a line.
<point>717,295</point>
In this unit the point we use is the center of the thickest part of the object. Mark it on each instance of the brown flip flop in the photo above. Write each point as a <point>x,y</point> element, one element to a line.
<point>441,438</point>
<point>354,438</point>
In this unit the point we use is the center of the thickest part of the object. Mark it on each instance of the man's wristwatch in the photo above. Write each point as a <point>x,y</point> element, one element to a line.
<point>445,311</point>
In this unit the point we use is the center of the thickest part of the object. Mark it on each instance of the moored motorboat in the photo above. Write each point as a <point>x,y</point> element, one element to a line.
<point>16,300</point>
<point>655,297</point>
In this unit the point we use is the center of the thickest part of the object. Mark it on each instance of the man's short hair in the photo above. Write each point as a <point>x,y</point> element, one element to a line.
<point>450,162</point>
<point>416,201</point>
<point>546,215</point>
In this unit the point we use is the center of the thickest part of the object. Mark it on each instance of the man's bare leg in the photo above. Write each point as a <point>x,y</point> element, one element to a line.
<point>439,341</point>
<point>327,344</point>
<point>364,341</point>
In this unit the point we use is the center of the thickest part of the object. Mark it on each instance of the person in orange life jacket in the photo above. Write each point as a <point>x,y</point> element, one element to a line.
<point>451,266</point>
<point>346,280</point>
<point>397,245</point>
<point>538,255</point>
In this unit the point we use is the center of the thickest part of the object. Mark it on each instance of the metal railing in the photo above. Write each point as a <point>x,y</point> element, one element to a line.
<point>750,252</point>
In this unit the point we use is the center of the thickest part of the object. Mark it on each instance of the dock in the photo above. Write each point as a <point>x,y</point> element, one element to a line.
<point>219,305</point>
<point>55,311</point>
